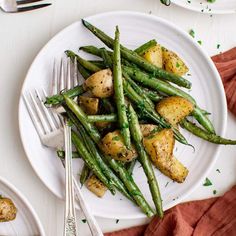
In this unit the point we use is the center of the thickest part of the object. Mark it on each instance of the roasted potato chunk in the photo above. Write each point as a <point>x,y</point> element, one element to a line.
<point>100,84</point>
<point>154,55</point>
<point>113,145</point>
<point>7,210</point>
<point>160,148</point>
<point>96,186</point>
<point>89,105</point>
<point>173,63</point>
<point>148,129</point>
<point>174,109</point>
<point>160,145</point>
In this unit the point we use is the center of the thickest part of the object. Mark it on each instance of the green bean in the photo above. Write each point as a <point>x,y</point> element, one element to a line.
<point>106,58</point>
<point>130,166</point>
<point>119,169</point>
<point>86,64</point>
<point>139,90</point>
<point>149,112</point>
<point>119,93</point>
<point>99,63</point>
<point>203,120</point>
<point>106,103</point>
<point>84,174</point>
<point>84,72</point>
<point>143,48</point>
<point>204,134</point>
<point>75,108</point>
<point>154,96</point>
<point>58,98</point>
<point>102,118</point>
<point>131,186</point>
<point>105,169</point>
<point>145,161</point>
<point>93,50</point>
<point>156,84</point>
<point>89,160</point>
<point>136,59</point>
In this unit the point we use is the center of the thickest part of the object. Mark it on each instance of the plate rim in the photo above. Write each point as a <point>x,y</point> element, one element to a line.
<point>17,192</point>
<point>212,12</point>
<point>201,51</point>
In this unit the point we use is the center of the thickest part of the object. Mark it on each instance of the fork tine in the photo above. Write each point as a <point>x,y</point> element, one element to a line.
<point>53,114</point>
<point>27,1</point>
<point>61,77</point>
<point>68,75</point>
<point>36,121</point>
<point>41,116</point>
<point>75,77</point>
<point>54,85</point>
<point>34,7</point>
<point>46,112</point>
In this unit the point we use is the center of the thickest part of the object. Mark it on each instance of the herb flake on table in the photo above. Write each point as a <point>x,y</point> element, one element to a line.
<point>192,33</point>
<point>207,182</point>
<point>218,46</point>
<point>218,171</point>
<point>200,42</point>
<point>117,221</point>
<point>214,192</point>
<point>84,221</point>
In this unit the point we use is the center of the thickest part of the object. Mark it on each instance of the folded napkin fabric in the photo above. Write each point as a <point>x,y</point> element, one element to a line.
<point>226,65</point>
<point>214,216</point>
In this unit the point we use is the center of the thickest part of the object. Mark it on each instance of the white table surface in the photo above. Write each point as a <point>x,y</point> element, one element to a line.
<point>23,35</point>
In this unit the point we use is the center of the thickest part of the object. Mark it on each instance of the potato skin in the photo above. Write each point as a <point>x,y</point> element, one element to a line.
<point>148,129</point>
<point>174,109</point>
<point>173,63</point>
<point>154,55</point>
<point>160,148</point>
<point>96,186</point>
<point>89,105</point>
<point>100,84</point>
<point>113,145</point>
<point>7,210</point>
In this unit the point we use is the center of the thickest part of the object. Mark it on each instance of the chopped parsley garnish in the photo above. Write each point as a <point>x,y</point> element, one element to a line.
<point>192,33</point>
<point>116,138</point>
<point>214,192</point>
<point>84,220</point>
<point>218,170</point>
<point>207,182</point>
<point>200,42</point>
<point>218,46</point>
<point>211,1</point>
<point>117,221</point>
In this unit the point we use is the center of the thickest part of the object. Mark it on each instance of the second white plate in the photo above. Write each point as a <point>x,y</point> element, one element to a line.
<point>135,28</point>
<point>218,7</point>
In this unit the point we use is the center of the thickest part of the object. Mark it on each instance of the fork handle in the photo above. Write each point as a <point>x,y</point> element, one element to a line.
<point>70,227</point>
<point>92,223</point>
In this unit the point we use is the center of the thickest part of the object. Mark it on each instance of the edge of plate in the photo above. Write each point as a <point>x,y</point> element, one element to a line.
<point>26,202</point>
<point>186,35</point>
<point>212,12</point>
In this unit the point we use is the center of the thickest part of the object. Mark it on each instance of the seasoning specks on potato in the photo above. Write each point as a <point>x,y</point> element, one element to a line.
<point>7,210</point>
<point>113,145</point>
<point>100,84</point>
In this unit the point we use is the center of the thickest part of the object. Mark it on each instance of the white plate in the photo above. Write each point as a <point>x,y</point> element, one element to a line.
<point>27,222</point>
<point>218,7</point>
<point>135,28</point>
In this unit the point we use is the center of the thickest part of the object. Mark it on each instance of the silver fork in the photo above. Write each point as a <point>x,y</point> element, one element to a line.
<point>49,128</point>
<point>12,6</point>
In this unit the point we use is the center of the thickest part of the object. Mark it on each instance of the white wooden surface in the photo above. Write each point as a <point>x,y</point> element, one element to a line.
<point>23,35</point>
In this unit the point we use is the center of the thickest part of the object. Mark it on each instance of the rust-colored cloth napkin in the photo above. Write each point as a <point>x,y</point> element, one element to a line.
<point>226,65</point>
<point>214,216</point>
